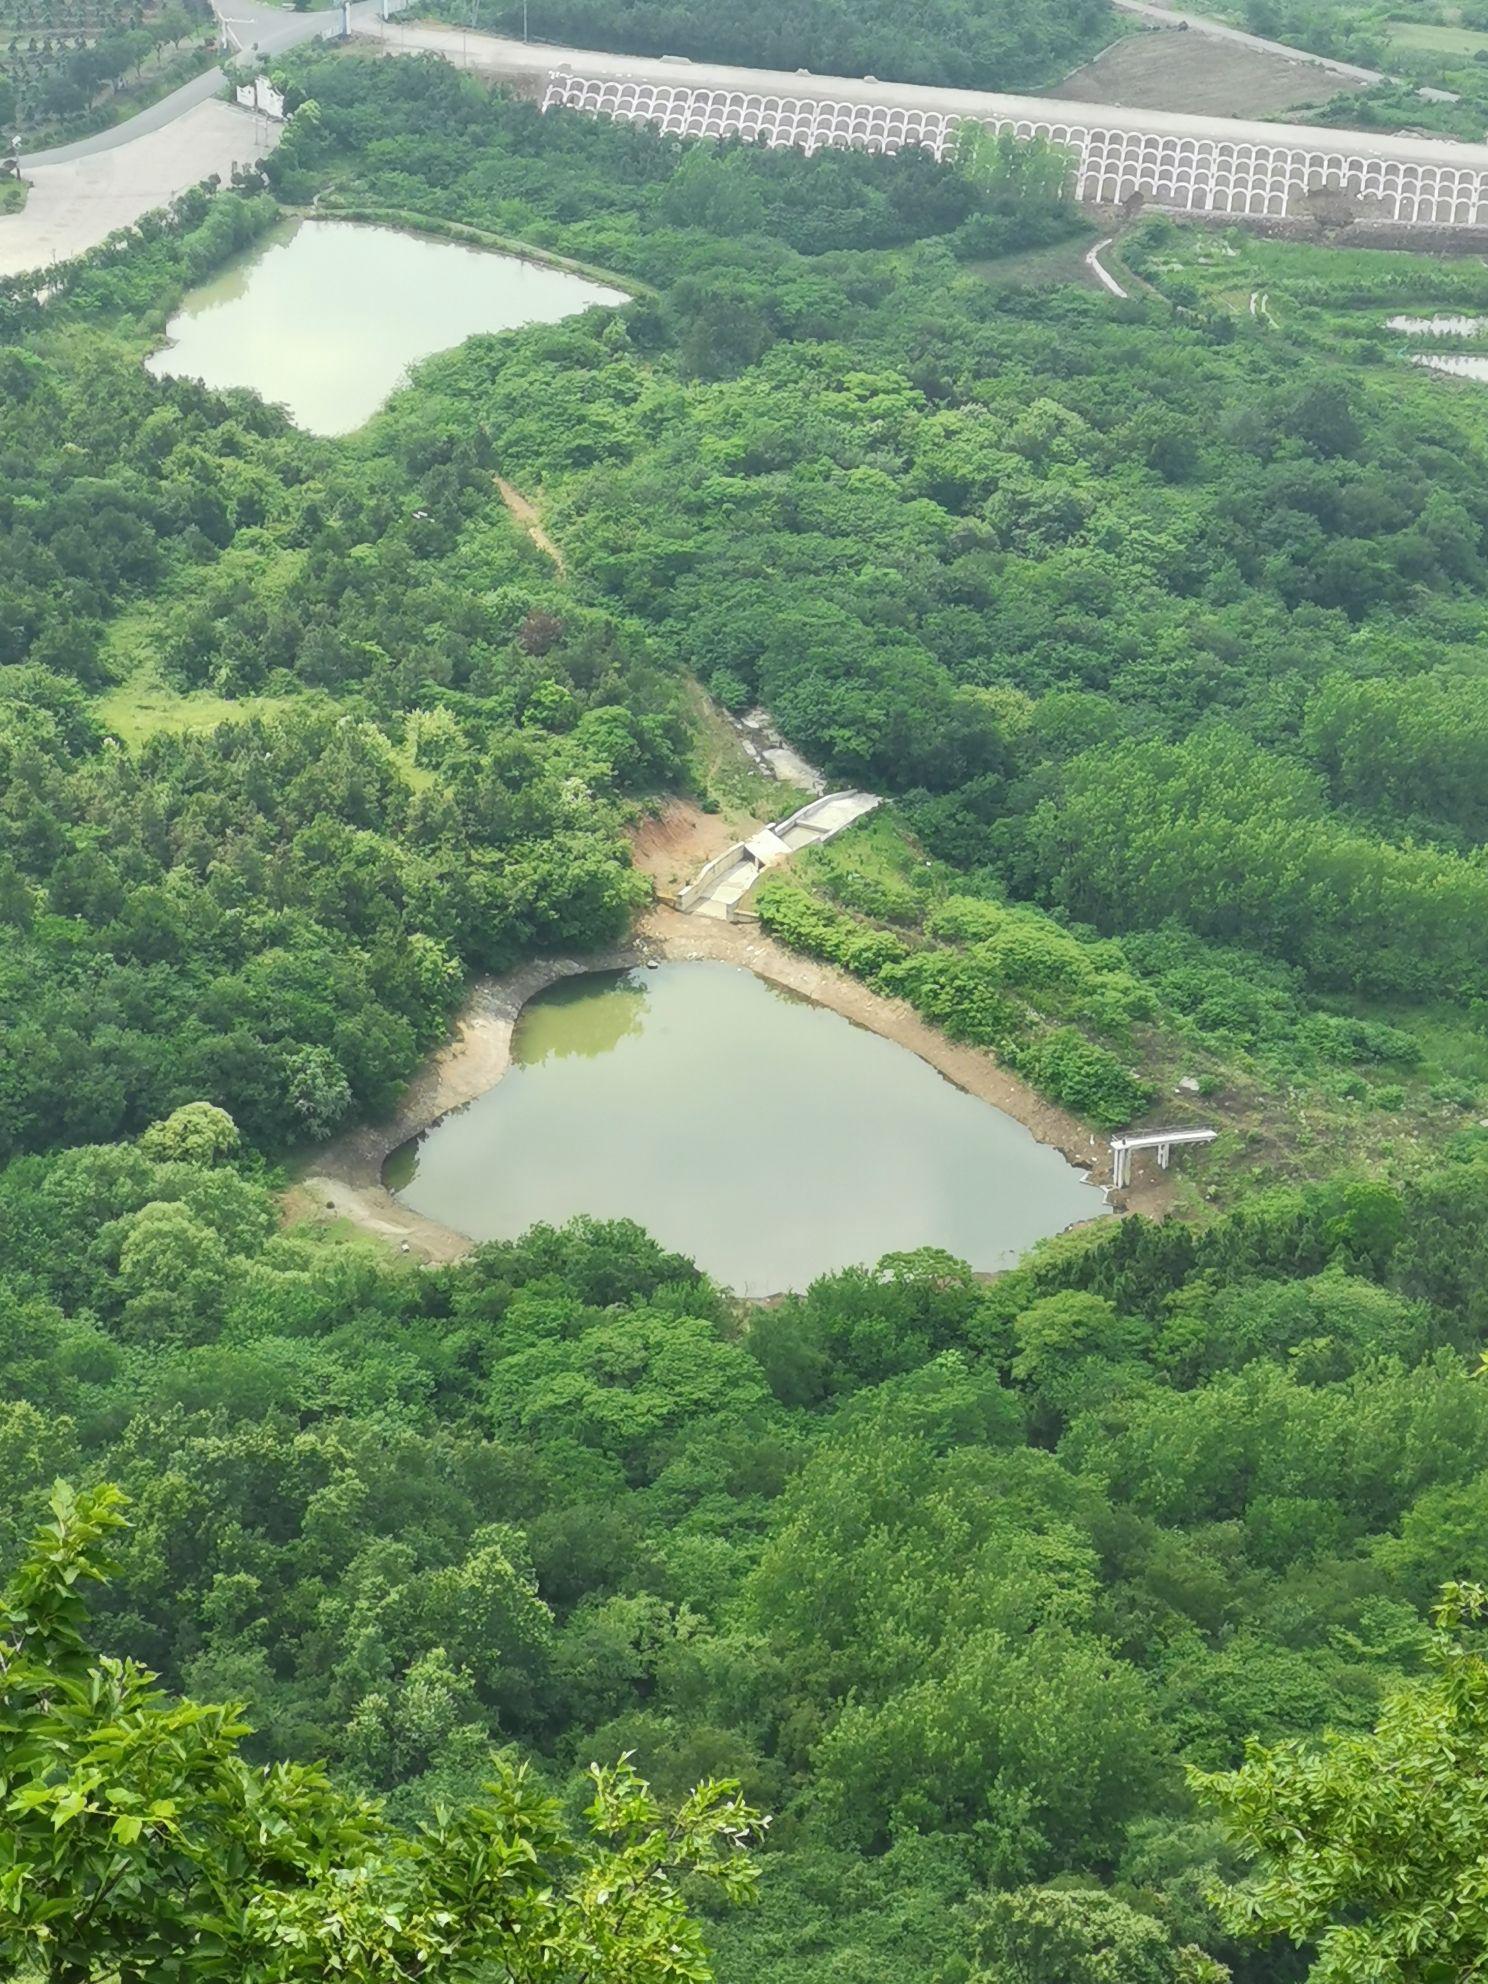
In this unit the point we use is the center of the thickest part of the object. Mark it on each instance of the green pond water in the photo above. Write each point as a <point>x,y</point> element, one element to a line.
<point>767,1138</point>
<point>325,317</point>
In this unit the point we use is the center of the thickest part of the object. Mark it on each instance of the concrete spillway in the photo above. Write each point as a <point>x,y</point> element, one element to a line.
<point>728,878</point>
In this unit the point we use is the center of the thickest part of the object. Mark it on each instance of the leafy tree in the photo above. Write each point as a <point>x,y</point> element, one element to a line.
<point>1368,1846</point>
<point>139,1842</point>
<point>1074,1936</point>
<point>196,1133</point>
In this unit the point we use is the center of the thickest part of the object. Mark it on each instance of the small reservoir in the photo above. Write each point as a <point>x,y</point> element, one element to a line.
<point>766,1137</point>
<point>325,317</point>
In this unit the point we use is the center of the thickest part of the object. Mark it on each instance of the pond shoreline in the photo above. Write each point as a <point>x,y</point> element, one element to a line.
<point>465,234</point>
<point>278,317</point>
<point>346,1179</point>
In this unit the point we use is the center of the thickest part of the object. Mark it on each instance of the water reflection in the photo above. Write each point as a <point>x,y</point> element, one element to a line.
<point>569,1019</point>
<point>325,317</point>
<point>769,1139</point>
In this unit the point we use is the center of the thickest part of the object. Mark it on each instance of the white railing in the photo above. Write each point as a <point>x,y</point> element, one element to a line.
<point>1160,1140</point>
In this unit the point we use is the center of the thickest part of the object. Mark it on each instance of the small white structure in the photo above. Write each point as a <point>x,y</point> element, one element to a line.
<point>732,874</point>
<point>1161,1140</point>
<point>260,95</point>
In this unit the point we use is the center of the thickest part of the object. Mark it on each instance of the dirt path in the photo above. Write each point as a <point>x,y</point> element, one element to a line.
<point>347,1181</point>
<point>1098,268</point>
<point>528,518</point>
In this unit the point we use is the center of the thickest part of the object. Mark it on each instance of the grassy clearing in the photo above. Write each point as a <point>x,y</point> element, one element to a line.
<point>1041,268</point>
<point>142,706</point>
<point>141,703</point>
<point>1434,40</point>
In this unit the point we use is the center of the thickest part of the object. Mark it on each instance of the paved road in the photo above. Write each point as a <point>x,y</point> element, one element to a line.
<point>272,28</point>
<point>75,205</point>
<point>153,118</point>
<point>248,24</point>
<point>532,63</point>
<point>176,142</point>
<point>1099,270</point>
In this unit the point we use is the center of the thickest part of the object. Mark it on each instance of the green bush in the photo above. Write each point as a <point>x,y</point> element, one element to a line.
<point>949,990</point>
<point>1085,1078</point>
<point>958,993</point>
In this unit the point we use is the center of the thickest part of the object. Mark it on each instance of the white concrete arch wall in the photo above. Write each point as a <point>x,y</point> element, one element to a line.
<point>1212,174</point>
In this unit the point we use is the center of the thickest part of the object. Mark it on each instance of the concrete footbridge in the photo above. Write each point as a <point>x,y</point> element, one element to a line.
<point>718,890</point>
<point>1162,1141</point>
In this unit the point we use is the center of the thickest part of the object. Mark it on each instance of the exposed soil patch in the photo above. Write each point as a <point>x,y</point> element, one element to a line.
<point>526,515</point>
<point>672,845</point>
<point>1182,69</point>
<point>347,1180</point>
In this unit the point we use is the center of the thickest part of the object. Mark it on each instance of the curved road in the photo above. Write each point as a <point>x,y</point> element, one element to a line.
<point>249,25</point>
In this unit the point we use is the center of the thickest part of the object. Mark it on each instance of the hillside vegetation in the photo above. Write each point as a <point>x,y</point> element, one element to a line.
<point>1161,624</point>
<point>969,44</point>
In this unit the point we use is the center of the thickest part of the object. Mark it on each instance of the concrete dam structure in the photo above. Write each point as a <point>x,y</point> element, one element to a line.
<point>728,878</point>
<point>1120,159</point>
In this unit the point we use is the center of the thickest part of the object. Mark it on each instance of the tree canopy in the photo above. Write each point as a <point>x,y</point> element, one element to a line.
<point>139,1843</point>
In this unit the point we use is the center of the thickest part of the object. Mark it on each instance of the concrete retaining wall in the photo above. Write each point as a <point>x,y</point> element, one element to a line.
<point>833,812</point>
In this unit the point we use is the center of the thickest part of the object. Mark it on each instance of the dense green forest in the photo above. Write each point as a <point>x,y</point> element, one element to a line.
<point>971,44</point>
<point>953,1577</point>
<point>1162,626</point>
<point>1115,599</point>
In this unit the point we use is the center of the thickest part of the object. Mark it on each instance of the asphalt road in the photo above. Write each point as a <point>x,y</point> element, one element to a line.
<point>249,25</point>
<point>533,63</point>
<point>271,29</point>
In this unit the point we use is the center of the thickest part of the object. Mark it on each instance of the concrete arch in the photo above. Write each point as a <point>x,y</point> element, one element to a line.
<point>1202,172</point>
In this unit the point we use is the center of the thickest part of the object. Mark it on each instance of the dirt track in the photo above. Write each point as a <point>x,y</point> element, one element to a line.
<point>1169,69</point>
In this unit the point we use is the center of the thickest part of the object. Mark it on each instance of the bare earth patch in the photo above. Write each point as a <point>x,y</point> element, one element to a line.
<point>527,516</point>
<point>672,845</point>
<point>347,1180</point>
<point>1173,69</point>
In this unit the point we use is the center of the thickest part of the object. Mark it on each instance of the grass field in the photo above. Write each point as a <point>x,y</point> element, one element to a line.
<point>1041,268</point>
<point>1434,40</point>
<point>1164,69</point>
<point>143,705</point>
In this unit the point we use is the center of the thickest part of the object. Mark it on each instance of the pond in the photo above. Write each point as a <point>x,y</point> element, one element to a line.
<point>1438,327</point>
<point>1460,365</point>
<point>767,1138</point>
<point>325,317</point>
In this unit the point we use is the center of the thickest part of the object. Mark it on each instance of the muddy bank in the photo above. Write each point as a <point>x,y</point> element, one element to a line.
<point>347,1179</point>
<point>346,1182</point>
